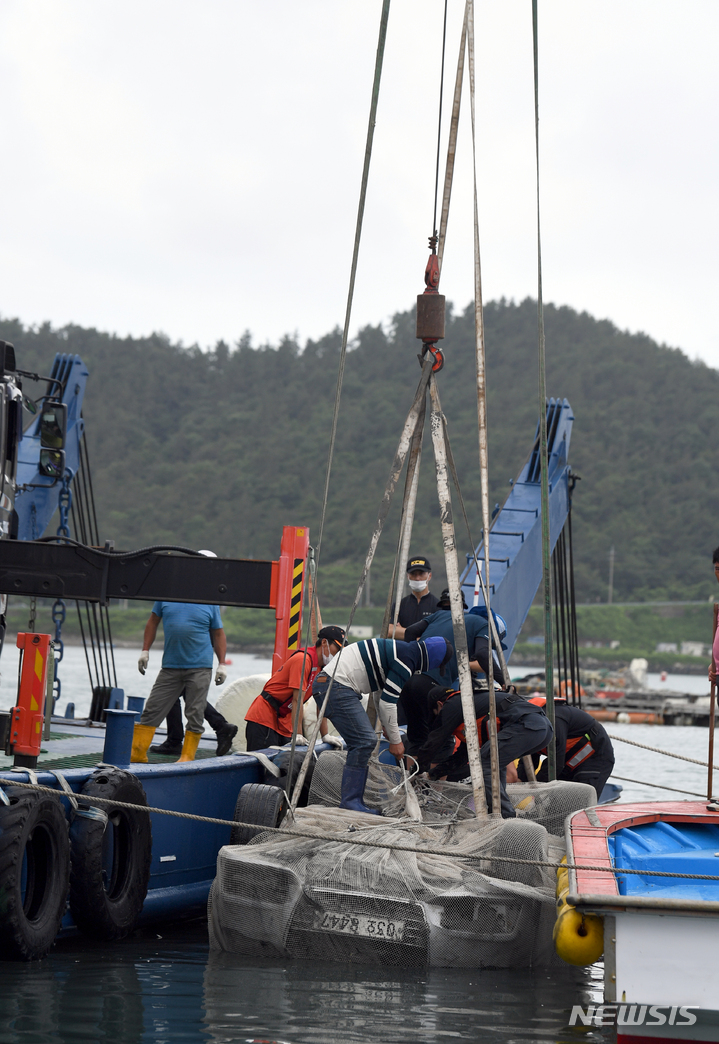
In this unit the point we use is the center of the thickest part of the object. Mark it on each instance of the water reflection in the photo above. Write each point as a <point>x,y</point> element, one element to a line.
<point>329,1003</point>
<point>162,987</point>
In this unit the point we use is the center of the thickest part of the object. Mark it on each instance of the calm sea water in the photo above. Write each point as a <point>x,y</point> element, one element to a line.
<point>164,986</point>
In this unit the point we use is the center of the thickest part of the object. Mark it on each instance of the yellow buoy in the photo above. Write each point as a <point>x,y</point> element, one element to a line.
<point>578,937</point>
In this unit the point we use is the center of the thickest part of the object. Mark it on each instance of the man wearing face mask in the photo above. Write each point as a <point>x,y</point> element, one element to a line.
<point>270,717</point>
<point>420,602</point>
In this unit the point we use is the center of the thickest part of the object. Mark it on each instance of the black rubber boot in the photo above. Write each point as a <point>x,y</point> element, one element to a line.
<point>175,733</point>
<point>225,735</point>
<point>170,746</point>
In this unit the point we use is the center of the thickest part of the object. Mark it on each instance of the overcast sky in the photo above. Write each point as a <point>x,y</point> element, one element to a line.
<point>193,167</point>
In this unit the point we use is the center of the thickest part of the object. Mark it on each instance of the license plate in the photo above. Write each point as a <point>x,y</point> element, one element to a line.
<point>367,927</point>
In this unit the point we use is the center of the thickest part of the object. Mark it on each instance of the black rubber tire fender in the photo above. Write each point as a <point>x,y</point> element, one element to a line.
<point>257,803</point>
<point>110,864</point>
<point>34,873</point>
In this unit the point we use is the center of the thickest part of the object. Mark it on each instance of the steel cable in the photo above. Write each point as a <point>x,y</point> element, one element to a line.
<point>355,256</point>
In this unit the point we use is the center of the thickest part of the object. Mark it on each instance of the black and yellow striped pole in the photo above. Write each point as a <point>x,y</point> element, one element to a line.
<point>288,575</point>
<point>293,631</point>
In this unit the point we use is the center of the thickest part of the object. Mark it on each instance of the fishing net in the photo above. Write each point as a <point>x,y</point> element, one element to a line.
<point>284,895</point>
<point>546,803</point>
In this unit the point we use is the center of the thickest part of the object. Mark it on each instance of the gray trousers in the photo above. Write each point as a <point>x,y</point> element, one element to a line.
<point>168,685</point>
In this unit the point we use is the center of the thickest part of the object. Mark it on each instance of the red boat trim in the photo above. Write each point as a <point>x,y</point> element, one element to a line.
<point>630,1038</point>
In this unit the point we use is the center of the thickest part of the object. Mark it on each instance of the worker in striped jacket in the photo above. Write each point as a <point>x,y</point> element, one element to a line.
<point>380,667</point>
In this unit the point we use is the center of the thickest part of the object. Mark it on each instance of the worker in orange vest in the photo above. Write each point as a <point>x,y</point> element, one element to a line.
<point>584,750</point>
<point>523,728</point>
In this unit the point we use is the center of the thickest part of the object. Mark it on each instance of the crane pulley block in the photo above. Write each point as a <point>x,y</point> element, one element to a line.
<point>430,317</point>
<point>430,309</point>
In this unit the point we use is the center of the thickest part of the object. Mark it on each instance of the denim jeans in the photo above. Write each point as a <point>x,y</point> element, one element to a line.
<point>349,717</point>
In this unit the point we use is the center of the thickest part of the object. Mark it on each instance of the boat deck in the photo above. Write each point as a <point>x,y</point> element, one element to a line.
<point>79,744</point>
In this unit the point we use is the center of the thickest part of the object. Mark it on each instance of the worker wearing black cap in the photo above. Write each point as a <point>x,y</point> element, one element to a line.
<point>420,602</point>
<point>522,728</point>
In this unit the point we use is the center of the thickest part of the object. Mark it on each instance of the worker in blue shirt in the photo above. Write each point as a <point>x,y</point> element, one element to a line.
<point>192,633</point>
<point>439,625</point>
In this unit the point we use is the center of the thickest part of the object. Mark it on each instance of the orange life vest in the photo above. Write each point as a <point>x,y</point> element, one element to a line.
<point>482,730</point>
<point>580,755</point>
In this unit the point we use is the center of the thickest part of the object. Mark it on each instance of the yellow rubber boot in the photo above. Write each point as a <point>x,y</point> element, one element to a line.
<point>189,747</point>
<point>141,740</point>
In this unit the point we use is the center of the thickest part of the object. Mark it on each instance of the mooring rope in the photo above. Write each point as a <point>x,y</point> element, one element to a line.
<point>659,786</point>
<point>317,835</point>
<point>658,750</point>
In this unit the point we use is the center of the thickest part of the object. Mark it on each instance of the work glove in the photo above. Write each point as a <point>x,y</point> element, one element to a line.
<point>300,741</point>
<point>334,741</point>
<point>221,675</point>
<point>143,661</point>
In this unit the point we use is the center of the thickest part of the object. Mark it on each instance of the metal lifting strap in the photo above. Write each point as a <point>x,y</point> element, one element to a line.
<point>546,540</point>
<point>407,522</point>
<point>455,597</point>
<point>452,143</point>
<point>481,369</point>
<point>526,760</point>
<point>355,256</point>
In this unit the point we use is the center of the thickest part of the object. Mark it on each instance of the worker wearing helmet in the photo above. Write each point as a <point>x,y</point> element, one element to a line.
<point>439,625</point>
<point>414,710</point>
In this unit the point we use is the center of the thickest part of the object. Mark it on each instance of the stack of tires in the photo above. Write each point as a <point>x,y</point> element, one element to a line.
<point>99,866</point>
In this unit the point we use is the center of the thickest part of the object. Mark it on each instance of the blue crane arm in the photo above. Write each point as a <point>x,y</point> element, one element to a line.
<point>36,498</point>
<point>515,540</point>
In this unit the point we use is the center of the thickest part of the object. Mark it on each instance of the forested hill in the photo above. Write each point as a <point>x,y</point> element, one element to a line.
<point>219,449</point>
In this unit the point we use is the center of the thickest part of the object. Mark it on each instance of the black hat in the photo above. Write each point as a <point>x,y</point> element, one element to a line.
<point>439,694</point>
<point>332,633</point>
<point>419,562</point>
<point>444,602</point>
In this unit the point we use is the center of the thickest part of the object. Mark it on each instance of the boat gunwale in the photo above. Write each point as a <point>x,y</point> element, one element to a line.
<point>593,838</point>
<point>640,903</point>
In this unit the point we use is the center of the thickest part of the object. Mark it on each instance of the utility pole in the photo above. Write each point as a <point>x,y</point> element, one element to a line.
<point>611,576</point>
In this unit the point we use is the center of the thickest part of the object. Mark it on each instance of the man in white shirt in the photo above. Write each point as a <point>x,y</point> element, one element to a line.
<point>380,666</point>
